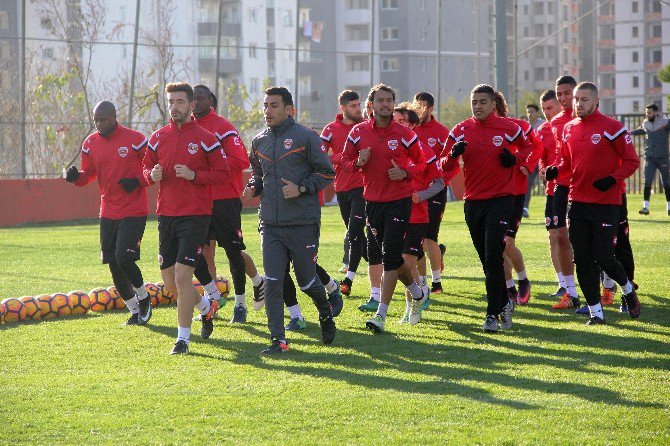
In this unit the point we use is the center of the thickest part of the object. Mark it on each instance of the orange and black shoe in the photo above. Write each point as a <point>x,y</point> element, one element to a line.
<point>524,292</point>
<point>208,320</point>
<point>443,249</point>
<point>345,286</point>
<point>607,297</point>
<point>567,302</point>
<point>276,348</point>
<point>436,288</point>
<point>633,304</point>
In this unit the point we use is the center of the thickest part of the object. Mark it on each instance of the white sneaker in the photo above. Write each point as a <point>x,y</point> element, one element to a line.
<point>415,309</point>
<point>259,296</point>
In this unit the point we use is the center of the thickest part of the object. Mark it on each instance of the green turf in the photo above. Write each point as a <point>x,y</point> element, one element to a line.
<point>550,380</point>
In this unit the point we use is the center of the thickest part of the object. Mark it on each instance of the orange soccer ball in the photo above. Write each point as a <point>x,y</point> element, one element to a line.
<point>223,285</point>
<point>47,306</point>
<point>32,307</point>
<point>79,302</point>
<point>164,296</point>
<point>100,299</point>
<point>14,310</point>
<point>119,303</point>
<point>198,286</point>
<point>62,304</point>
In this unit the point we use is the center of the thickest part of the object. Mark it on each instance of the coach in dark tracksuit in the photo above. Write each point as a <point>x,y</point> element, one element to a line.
<point>289,169</point>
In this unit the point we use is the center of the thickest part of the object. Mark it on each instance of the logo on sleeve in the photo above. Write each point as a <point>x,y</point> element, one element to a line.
<point>432,142</point>
<point>629,139</point>
<point>123,152</point>
<point>288,143</point>
<point>595,138</point>
<point>223,154</point>
<point>497,140</point>
<point>192,148</point>
<point>393,144</point>
<point>237,141</point>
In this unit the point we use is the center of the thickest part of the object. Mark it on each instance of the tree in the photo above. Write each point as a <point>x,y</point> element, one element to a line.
<point>454,111</point>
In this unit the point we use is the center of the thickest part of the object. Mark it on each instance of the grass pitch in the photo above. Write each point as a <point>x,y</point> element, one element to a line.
<point>549,380</point>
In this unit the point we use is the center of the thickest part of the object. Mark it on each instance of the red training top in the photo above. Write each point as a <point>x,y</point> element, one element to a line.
<point>110,158</point>
<point>594,147</point>
<point>422,182</point>
<point>195,148</point>
<point>557,125</point>
<point>521,180</point>
<point>232,148</point>
<point>434,135</point>
<point>548,156</point>
<point>484,175</point>
<point>334,136</point>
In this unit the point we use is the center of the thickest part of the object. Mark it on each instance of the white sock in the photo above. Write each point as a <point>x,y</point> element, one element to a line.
<point>437,275</point>
<point>525,209</point>
<point>133,305</point>
<point>646,204</point>
<point>331,286</point>
<point>295,312</point>
<point>203,306</point>
<point>351,275</point>
<point>669,205</point>
<point>240,299</point>
<point>414,290</point>
<point>627,288</point>
<point>184,334</point>
<point>212,292</point>
<point>597,311</point>
<point>141,292</point>
<point>255,281</point>
<point>607,281</point>
<point>509,283</point>
<point>422,281</point>
<point>561,280</point>
<point>408,305</point>
<point>382,310</point>
<point>425,289</point>
<point>375,293</point>
<point>521,275</point>
<point>570,285</point>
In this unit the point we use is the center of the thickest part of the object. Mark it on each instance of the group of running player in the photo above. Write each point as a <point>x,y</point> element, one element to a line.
<point>391,165</point>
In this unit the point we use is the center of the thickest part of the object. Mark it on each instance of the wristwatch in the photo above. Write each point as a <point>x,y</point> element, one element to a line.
<point>302,189</point>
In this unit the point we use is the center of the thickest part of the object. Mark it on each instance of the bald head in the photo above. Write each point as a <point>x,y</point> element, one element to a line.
<point>104,117</point>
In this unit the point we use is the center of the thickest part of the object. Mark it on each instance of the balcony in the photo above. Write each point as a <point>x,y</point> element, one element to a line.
<point>226,65</point>
<point>211,28</point>
<point>656,91</point>
<point>606,43</point>
<point>606,68</point>
<point>653,41</point>
<point>653,17</point>
<point>605,19</point>
<point>652,66</point>
<point>607,92</point>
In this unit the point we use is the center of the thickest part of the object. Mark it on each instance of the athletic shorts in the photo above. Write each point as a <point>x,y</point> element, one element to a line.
<point>560,206</point>
<point>549,213</point>
<point>388,222</point>
<point>180,239</point>
<point>517,215</point>
<point>413,243</point>
<point>351,202</point>
<point>121,238</point>
<point>225,225</point>
<point>436,205</point>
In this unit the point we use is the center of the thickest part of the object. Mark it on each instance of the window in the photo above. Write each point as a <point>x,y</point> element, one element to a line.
<point>291,56</point>
<point>252,15</point>
<point>565,36</point>
<point>48,53</point>
<point>538,8</point>
<point>525,31</point>
<point>551,51</point>
<point>539,52</point>
<point>254,85</point>
<point>613,59</point>
<point>525,9</point>
<point>357,63</point>
<point>656,56</point>
<point>636,106</point>
<point>656,31</point>
<point>288,18</point>
<point>389,33</point>
<point>390,64</point>
<point>550,28</point>
<point>538,74</point>
<point>4,20</point>
<point>550,8</point>
<point>635,6</point>
<point>389,4</point>
<point>636,82</point>
<point>613,82</point>
<point>636,56</point>
<point>356,32</point>
<point>356,4</point>
<point>525,75</point>
<point>538,30</point>
<point>252,50</point>
<point>656,6</point>
<point>636,31</point>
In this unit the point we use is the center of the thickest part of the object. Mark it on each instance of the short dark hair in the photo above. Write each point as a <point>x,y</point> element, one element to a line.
<point>533,106</point>
<point>566,80</point>
<point>485,88</point>
<point>286,97</point>
<point>204,87</point>
<point>380,87</point>
<point>410,113</point>
<point>425,97</point>
<point>587,86</point>
<point>548,95</point>
<point>652,107</point>
<point>174,87</point>
<point>215,101</point>
<point>501,104</point>
<point>347,96</point>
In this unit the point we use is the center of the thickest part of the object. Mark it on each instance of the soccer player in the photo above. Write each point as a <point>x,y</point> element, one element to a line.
<point>425,186</point>
<point>388,156</point>
<point>598,152</point>
<point>513,256</point>
<point>535,120</point>
<point>290,167</point>
<point>226,220</point>
<point>656,156</point>
<point>348,185</point>
<point>570,299</point>
<point>550,108</point>
<point>483,142</point>
<point>434,135</point>
<point>113,155</point>
<point>184,159</point>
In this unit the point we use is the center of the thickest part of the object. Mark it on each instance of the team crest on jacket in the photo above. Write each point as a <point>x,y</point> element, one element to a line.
<point>123,152</point>
<point>393,144</point>
<point>595,138</point>
<point>288,143</point>
<point>629,139</point>
<point>192,148</point>
<point>223,154</point>
<point>497,140</point>
<point>432,142</point>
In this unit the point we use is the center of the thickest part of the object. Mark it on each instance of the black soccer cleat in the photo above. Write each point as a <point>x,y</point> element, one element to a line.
<point>208,320</point>
<point>180,348</point>
<point>327,329</point>
<point>133,320</point>
<point>276,348</point>
<point>595,320</point>
<point>145,311</point>
<point>632,304</point>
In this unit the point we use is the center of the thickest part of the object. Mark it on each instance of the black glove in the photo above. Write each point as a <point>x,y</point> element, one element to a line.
<point>507,159</point>
<point>458,149</point>
<point>72,174</point>
<point>129,184</point>
<point>551,173</point>
<point>604,183</point>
